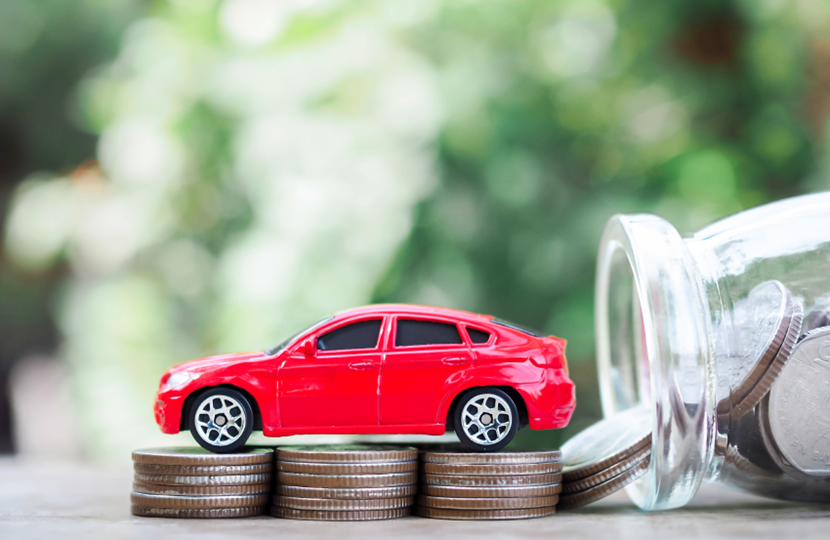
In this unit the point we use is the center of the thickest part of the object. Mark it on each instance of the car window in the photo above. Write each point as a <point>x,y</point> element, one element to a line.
<point>411,332</point>
<point>359,335</point>
<point>478,336</point>
<point>274,350</point>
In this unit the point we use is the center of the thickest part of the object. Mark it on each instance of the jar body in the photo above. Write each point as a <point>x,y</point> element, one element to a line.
<point>670,332</point>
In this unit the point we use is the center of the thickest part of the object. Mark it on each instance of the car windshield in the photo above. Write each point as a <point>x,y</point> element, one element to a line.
<point>518,327</point>
<point>274,350</point>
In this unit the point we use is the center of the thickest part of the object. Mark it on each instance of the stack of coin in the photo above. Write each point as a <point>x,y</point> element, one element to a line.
<point>195,483</point>
<point>459,484</point>
<point>345,482</point>
<point>606,457</point>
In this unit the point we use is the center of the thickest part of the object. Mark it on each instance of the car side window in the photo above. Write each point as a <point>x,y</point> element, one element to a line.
<point>478,336</point>
<point>413,332</point>
<point>359,335</point>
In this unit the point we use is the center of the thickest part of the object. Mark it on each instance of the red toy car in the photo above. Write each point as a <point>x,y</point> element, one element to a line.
<point>377,369</point>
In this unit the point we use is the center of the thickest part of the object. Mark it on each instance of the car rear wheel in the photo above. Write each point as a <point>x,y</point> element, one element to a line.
<point>221,420</point>
<point>486,419</point>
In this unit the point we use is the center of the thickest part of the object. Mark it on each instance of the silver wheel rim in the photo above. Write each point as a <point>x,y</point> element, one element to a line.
<point>220,420</point>
<point>486,419</point>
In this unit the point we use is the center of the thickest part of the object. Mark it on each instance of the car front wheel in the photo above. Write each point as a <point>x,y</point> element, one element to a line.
<point>486,419</point>
<point>221,420</point>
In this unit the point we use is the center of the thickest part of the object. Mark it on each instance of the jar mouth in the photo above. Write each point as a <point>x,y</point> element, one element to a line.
<point>653,331</point>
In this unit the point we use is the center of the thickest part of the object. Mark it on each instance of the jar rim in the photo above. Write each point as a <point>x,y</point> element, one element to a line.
<point>677,352</point>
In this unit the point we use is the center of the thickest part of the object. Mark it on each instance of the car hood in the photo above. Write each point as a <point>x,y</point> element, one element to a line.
<point>212,362</point>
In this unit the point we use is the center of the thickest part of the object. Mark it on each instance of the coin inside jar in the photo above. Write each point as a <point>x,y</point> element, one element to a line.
<point>797,418</point>
<point>761,322</point>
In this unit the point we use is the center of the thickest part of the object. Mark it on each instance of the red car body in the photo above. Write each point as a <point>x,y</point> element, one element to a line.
<point>386,389</point>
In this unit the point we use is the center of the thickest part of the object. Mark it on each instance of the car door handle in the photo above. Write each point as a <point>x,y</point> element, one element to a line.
<point>360,366</point>
<point>455,360</point>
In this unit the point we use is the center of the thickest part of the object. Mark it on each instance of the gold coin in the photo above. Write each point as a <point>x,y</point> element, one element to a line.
<point>606,474</point>
<point>448,513</point>
<point>502,503</point>
<point>202,470</point>
<point>492,492</point>
<point>199,456</point>
<point>196,491</point>
<point>467,469</point>
<point>173,480</point>
<point>459,455</point>
<point>195,513</point>
<point>326,515</point>
<point>490,481</point>
<point>348,468</point>
<point>593,494</point>
<point>348,480</point>
<point>347,453</point>
<point>390,492</point>
<point>204,502</point>
<point>301,503</point>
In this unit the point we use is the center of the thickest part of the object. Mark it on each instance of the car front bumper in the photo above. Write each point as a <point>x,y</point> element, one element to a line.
<point>168,412</point>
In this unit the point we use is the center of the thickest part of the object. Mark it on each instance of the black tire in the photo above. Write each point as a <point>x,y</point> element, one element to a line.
<point>502,437</point>
<point>221,397</point>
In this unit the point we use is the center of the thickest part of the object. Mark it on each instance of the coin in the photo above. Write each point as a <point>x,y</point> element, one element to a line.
<point>492,492</point>
<point>202,470</point>
<point>465,456</point>
<point>348,468</point>
<point>328,515</point>
<point>763,385</point>
<point>348,481</point>
<point>199,456</point>
<point>195,491</point>
<point>501,503</point>
<point>818,316</point>
<point>797,405</point>
<point>466,469</point>
<point>606,474</point>
<point>347,493</point>
<point>593,494</point>
<point>340,453</point>
<point>448,513</point>
<point>760,321</point>
<point>174,480</point>
<point>179,501</point>
<point>607,442</point>
<point>302,503</point>
<point>196,513</point>
<point>490,481</point>
<point>769,441</point>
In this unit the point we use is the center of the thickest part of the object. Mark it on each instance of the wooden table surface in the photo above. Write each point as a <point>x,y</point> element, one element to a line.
<point>83,501</point>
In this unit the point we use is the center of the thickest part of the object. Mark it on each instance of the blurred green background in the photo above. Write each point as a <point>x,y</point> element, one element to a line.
<point>187,177</point>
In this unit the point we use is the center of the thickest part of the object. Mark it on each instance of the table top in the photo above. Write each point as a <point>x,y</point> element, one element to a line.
<point>80,500</point>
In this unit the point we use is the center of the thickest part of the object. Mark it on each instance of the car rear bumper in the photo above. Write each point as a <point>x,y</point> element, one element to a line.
<point>551,402</point>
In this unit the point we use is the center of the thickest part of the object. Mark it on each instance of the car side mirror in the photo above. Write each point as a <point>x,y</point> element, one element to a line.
<point>308,348</point>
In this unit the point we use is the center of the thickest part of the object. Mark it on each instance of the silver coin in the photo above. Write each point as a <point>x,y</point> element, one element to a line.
<point>760,322</point>
<point>607,442</point>
<point>798,405</point>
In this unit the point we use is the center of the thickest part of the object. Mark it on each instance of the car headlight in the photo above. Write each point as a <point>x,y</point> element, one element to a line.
<point>177,379</point>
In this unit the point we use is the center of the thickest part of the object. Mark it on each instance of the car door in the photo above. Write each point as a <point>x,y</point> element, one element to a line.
<point>425,357</point>
<point>336,385</point>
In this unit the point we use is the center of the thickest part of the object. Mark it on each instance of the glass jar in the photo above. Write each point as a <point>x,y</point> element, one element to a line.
<point>671,325</point>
